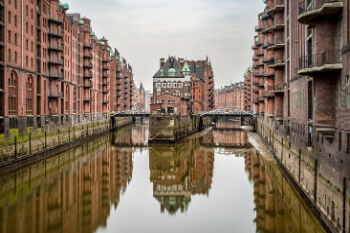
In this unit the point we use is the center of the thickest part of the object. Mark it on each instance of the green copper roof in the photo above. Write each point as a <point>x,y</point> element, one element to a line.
<point>108,49</point>
<point>93,33</point>
<point>102,43</point>
<point>186,204</point>
<point>257,39</point>
<point>65,6</point>
<point>171,70</point>
<point>186,68</point>
<point>172,202</point>
<point>81,22</point>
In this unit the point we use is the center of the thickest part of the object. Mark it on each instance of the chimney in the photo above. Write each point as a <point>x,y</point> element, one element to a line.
<point>182,61</point>
<point>162,61</point>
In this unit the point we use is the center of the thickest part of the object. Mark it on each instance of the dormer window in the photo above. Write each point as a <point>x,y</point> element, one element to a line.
<point>171,72</point>
<point>161,72</point>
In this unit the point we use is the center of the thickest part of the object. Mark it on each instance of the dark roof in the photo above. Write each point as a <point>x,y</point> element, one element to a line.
<point>167,65</point>
<point>198,70</point>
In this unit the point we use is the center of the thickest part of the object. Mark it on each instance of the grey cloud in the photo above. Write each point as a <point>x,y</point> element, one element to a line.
<point>145,30</point>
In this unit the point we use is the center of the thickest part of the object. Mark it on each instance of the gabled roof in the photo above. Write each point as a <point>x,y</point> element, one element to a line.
<point>167,66</point>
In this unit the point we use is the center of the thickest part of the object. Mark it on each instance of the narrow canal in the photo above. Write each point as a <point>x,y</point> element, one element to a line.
<point>215,181</point>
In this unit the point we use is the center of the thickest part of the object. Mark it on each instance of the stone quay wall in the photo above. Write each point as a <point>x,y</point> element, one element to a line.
<point>170,129</point>
<point>326,193</point>
<point>37,143</point>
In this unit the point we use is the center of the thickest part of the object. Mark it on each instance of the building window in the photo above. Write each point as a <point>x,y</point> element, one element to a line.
<point>158,84</point>
<point>174,84</point>
<point>30,92</point>
<point>9,17</point>
<point>347,92</point>
<point>164,84</point>
<point>340,139</point>
<point>169,84</point>
<point>15,19</point>
<point>12,94</point>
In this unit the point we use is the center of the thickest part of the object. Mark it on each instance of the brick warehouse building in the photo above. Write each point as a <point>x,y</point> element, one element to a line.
<point>181,86</point>
<point>230,96</point>
<point>301,94</point>
<point>57,71</point>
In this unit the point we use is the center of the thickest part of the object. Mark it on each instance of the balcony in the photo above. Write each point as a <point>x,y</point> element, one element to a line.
<point>255,90</point>
<point>277,25</point>
<point>256,83</point>
<point>106,60</point>
<point>55,61</point>
<point>105,91</point>
<point>105,102</point>
<point>278,88</point>
<point>55,19</point>
<point>55,47</point>
<point>88,99</point>
<point>268,74</point>
<point>87,85</point>
<point>89,46</point>
<point>256,101</point>
<point>326,62</point>
<point>261,84</point>
<point>278,6</point>
<point>55,33</point>
<point>276,44</point>
<point>276,63</point>
<point>258,28</point>
<point>56,75</point>
<point>87,65</point>
<point>105,67</point>
<point>87,75</point>
<point>267,94</point>
<point>318,8</point>
<point>105,84</point>
<point>88,55</point>
<point>55,95</point>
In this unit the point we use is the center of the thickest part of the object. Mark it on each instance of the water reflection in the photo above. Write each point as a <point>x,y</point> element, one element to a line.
<point>278,207</point>
<point>94,188</point>
<point>177,172</point>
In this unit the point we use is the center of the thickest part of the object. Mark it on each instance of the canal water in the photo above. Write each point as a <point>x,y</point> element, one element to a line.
<point>215,181</point>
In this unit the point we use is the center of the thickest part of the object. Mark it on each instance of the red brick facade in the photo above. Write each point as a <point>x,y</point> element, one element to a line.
<point>230,96</point>
<point>58,70</point>
<point>301,94</point>
<point>191,80</point>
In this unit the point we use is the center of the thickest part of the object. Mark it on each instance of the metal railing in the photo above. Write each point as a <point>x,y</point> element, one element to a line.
<point>55,94</point>
<point>305,6</point>
<point>55,75</point>
<point>317,60</point>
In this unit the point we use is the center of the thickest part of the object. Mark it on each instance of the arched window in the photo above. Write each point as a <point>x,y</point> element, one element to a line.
<point>12,99</point>
<point>15,19</point>
<point>164,84</point>
<point>169,84</point>
<point>158,84</point>
<point>75,100</point>
<point>174,84</point>
<point>29,95</point>
<point>179,84</point>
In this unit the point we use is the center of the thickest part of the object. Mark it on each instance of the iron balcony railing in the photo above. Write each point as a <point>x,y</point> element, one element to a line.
<point>56,75</point>
<point>56,19</point>
<point>55,94</point>
<point>307,5</point>
<point>57,47</point>
<point>317,60</point>
<point>55,32</point>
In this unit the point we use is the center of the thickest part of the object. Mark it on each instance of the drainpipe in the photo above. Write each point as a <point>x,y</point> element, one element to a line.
<point>22,53</point>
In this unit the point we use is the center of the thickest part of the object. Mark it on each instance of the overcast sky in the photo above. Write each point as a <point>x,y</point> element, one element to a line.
<point>145,30</point>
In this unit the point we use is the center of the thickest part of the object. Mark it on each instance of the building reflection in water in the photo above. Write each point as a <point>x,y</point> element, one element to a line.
<point>279,209</point>
<point>73,192</point>
<point>77,190</point>
<point>179,171</point>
